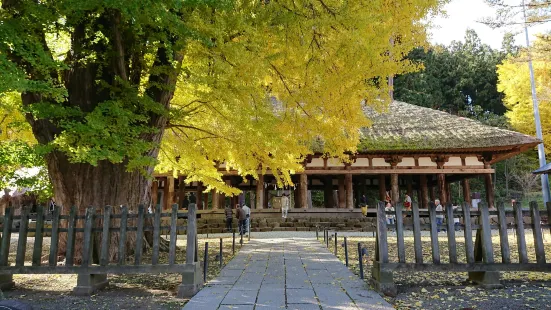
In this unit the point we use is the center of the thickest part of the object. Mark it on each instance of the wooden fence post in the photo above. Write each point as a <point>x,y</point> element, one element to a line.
<point>484,251</point>
<point>434,234</point>
<point>536,230</point>
<point>192,281</point>
<point>87,284</point>
<point>381,278</point>
<point>503,234</point>
<point>6,281</point>
<point>400,233</point>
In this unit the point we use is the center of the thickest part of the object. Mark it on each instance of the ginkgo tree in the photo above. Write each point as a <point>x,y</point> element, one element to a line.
<point>109,87</point>
<point>17,150</point>
<point>514,82</point>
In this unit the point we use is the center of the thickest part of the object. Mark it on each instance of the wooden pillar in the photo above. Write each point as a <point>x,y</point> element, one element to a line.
<point>448,192</point>
<point>341,192</point>
<point>199,197</point>
<point>349,192</point>
<point>432,193</point>
<point>296,196</point>
<point>489,190</point>
<point>181,191</point>
<point>466,191</point>
<point>215,199</point>
<point>328,192</point>
<point>260,192</point>
<point>168,193</point>
<point>424,199</point>
<point>252,199</point>
<point>303,186</point>
<point>205,202</point>
<point>442,188</point>
<point>395,189</point>
<point>382,187</point>
<point>266,197</point>
<point>409,185</point>
<point>154,192</point>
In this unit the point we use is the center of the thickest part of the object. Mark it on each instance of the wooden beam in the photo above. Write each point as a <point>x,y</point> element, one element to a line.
<point>303,191</point>
<point>398,170</point>
<point>260,192</point>
<point>349,192</point>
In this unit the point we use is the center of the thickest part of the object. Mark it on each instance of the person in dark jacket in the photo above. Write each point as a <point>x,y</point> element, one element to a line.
<point>229,213</point>
<point>241,219</point>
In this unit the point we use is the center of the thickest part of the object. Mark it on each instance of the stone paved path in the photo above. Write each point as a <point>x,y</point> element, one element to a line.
<point>286,273</point>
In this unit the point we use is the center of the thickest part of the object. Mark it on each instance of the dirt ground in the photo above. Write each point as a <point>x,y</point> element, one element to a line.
<point>136,292</point>
<point>449,290</point>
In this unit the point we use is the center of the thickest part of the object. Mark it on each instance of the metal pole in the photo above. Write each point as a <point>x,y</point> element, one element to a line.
<point>327,240</point>
<point>335,243</point>
<point>233,244</point>
<point>206,262</point>
<point>221,257</point>
<point>541,149</point>
<point>345,251</point>
<point>360,260</point>
<point>317,234</point>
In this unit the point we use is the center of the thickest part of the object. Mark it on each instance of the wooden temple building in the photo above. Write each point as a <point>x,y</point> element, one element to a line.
<point>409,149</point>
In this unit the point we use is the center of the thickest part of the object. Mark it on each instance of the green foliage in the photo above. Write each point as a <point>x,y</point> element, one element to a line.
<point>254,82</point>
<point>460,78</point>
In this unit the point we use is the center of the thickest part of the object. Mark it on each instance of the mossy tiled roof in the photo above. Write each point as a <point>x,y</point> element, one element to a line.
<point>405,126</point>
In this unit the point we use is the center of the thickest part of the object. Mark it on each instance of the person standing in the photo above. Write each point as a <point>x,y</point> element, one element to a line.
<point>439,217</point>
<point>229,213</point>
<point>241,217</point>
<point>456,223</point>
<point>390,218</point>
<point>284,205</point>
<point>248,217</point>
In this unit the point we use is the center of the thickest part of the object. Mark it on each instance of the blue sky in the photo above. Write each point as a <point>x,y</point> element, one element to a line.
<point>463,14</point>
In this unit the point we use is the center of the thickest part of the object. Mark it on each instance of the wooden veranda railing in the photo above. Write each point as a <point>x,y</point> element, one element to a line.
<point>479,258</point>
<point>95,264</point>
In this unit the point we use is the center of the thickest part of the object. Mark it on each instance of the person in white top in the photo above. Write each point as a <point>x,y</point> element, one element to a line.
<point>248,215</point>
<point>456,222</point>
<point>439,217</point>
<point>390,218</point>
<point>284,205</point>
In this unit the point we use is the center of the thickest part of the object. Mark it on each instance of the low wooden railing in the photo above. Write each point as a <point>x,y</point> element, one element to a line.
<point>479,257</point>
<point>94,265</point>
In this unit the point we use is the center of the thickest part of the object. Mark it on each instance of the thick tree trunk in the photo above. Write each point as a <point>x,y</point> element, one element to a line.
<point>84,185</point>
